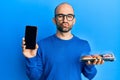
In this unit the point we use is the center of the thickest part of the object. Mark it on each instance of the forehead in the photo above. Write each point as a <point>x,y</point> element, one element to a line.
<point>64,9</point>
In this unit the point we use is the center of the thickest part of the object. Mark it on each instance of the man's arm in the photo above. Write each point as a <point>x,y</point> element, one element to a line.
<point>89,71</point>
<point>34,67</point>
<point>88,68</point>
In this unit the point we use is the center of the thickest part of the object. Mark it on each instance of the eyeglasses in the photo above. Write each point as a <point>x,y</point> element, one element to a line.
<point>60,17</point>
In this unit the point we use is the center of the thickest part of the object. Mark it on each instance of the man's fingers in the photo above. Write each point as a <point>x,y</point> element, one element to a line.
<point>99,61</point>
<point>23,41</point>
<point>88,63</point>
<point>23,47</point>
<point>95,61</point>
<point>36,47</point>
<point>23,44</point>
<point>102,61</point>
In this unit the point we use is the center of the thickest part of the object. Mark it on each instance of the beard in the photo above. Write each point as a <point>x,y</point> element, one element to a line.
<point>62,28</point>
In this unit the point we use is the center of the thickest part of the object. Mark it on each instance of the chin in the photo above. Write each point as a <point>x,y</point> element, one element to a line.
<point>65,31</point>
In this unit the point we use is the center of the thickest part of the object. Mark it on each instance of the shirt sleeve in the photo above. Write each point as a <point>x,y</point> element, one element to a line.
<point>34,66</point>
<point>89,71</point>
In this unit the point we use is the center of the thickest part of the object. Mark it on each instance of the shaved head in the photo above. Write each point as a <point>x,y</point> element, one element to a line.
<point>65,6</point>
<point>64,17</point>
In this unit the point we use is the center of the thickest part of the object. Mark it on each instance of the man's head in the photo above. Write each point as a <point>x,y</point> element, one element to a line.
<point>64,17</point>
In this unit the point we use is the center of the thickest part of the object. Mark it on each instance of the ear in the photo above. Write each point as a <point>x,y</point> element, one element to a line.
<point>54,21</point>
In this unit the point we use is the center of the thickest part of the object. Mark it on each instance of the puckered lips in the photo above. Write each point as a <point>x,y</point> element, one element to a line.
<point>65,25</point>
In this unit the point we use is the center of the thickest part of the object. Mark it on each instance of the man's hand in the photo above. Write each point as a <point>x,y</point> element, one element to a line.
<point>29,53</point>
<point>93,59</point>
<point>97,60</point>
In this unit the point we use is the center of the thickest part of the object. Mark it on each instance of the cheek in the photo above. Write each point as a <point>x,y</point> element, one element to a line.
<point>59,23</point>
<point>71,23</point>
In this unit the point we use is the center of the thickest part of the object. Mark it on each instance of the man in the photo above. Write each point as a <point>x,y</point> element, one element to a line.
<point>58,56</point>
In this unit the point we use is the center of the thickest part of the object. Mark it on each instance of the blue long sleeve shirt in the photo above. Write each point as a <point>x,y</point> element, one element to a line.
<point>59,59</point>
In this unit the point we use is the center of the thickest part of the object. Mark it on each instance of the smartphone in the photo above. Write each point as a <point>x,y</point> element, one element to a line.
<point>30,37</point>
<point>105,57</point>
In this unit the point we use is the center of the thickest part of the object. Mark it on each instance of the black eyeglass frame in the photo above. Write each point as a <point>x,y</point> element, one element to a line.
<point>63,16</point>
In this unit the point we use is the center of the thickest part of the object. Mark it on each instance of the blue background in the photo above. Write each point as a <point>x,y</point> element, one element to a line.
<point>97,21</point>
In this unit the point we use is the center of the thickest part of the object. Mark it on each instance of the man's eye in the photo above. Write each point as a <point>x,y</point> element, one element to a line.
<point>70,16</point>
<point>60,16</point>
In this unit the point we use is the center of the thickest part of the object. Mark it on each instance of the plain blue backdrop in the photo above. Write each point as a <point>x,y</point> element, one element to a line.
<point>97,21</point>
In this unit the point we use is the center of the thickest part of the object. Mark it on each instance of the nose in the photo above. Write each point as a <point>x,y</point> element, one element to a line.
<point>65,18</point>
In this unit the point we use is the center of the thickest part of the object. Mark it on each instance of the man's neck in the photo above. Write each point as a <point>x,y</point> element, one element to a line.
<point>64,35</point>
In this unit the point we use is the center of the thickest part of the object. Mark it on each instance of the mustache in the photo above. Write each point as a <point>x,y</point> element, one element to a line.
<point>64,23</point>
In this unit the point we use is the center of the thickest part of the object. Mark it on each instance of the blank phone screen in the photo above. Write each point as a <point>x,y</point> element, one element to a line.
<point>30,37</point>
